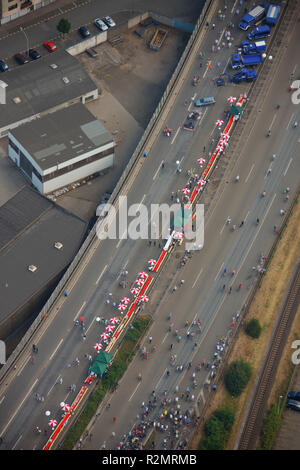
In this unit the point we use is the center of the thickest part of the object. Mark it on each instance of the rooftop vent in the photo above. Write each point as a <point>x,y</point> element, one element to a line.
<point>66,80</point>
<point>17,100</point>
<point>32,268</point>
<point>58,245</point>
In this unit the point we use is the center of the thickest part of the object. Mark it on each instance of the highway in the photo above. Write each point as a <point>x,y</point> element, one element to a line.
<point>202,295</point>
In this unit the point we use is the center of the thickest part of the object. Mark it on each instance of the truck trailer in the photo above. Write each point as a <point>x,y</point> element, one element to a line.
<point>239,61</point>
<point>272,15</point>
<point>252,17</point>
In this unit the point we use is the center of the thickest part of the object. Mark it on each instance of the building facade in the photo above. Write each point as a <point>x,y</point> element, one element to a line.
<point>61,148</point>
<point>12,9</point>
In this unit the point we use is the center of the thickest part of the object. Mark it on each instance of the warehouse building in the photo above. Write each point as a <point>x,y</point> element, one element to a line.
<point>38,240</point>
<point>42,86</point>
<point>61,148</point>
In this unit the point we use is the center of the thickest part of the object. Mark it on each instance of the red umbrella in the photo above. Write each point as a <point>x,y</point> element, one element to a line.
<point>134,290</point>
<point>231,99</point>
<point>219,122</point>
<point>225,136</point>
<point>98,346</point>
<point>178,235</point>
<point>219,148</point>
<point>114,320</point>
<point>152,262</point>
<point>201,161</point>
<point>122,307</point>
<point>125,300</point>
<point>139,282</point>
<point>65,407</point>
<point>109,328</point>
<point>186,190</point>
<point>104,336</point>
<point>144,298</point>
<point>143,275</point>
<point>52,423</point>
<point>201,182</point>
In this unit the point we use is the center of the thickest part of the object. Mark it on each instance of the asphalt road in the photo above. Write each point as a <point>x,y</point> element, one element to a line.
<point>202,294</point>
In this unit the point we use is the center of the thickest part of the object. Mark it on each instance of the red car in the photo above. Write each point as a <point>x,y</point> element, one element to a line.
<point>50,46</point>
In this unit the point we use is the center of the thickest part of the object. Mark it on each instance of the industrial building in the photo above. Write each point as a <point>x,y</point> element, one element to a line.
<point>38,240</point>
<point>42,86</point>
<point>61,148</point>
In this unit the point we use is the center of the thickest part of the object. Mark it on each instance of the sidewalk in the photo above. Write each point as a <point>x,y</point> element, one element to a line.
<point>42,14</point>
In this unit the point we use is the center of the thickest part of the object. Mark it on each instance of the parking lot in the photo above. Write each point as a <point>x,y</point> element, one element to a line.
<point>288,436</point>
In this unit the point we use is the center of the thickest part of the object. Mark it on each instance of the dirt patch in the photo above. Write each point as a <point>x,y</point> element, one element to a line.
<point>265,307</point>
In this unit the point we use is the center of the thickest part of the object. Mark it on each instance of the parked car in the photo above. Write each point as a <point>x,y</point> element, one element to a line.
<point>50,46</point>
<point>100,24</point>
<point>205,101</point>
<point>3,66</point>
<point>34,54</point>
<point>109,21</point>
<point>21,59</point>
<point>294,396</point>
<point>84,32</point>
<point>293,405</point>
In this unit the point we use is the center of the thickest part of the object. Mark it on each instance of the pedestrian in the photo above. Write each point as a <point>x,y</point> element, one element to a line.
<point>230,289</point>
<point>114,419</point>
<point>150,339</point>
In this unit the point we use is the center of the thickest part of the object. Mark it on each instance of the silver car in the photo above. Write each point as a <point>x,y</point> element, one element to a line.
<point>109,21</point>
<point>100,24</point>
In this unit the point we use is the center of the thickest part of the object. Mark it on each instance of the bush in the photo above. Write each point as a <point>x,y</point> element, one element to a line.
<point>270,427</point>
<point>226,417</point>
<point>217,429</point>
<point>253,328</point>
<point>237,377</point>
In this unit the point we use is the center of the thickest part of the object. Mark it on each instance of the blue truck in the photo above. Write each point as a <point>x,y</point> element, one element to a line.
<point>239,61</point>
<point>252,17</point>
<point>272,15</point>
<point>255,48</point>
<point>259,32</point>
<point>244,75</point>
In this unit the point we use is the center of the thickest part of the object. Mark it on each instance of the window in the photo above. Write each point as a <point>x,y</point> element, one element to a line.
<point>12,7</point>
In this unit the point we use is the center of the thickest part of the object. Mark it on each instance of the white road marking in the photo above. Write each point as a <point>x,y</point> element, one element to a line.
<point>166,335</point>
<point>16,442</point>
<point>2,399</point>
<point>233,6</point>
<point>155,175</point>
<point>134,390</point>
<point>219,271</point>
<point>55,350</point>
<point>199,274</point>
<point>289,121</point>
<point>248,176</point>
<point>101,274</point>
<point>172,141</point>
<point>272,122</point>
<point>20,406</point>
<point>77,314</point>
<point>288,165</point>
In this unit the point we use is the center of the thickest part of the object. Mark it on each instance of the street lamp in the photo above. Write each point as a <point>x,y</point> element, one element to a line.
<point>21,29</point>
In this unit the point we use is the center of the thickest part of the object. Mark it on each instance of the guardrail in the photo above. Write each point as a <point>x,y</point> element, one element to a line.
<point>91,238</point>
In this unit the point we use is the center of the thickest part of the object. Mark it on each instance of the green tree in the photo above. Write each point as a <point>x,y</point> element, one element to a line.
<point>64,26</point>
<point>226,417</point>
<point>237,377</point>
<point>253,328</point>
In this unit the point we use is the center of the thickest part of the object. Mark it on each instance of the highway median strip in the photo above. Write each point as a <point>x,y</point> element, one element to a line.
<point>109,381</point>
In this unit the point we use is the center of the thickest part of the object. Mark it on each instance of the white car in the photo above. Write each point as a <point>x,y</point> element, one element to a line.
<point>100,24</point>
<point>109,21</point>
